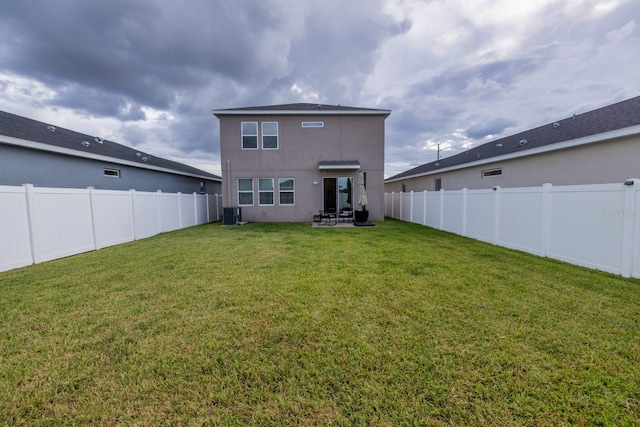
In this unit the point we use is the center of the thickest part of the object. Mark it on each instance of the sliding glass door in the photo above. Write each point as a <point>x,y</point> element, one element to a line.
<point>338,194</point>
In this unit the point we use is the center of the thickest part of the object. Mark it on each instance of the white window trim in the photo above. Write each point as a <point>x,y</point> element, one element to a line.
<point>112,173</point>
<point>244,192</point>
<point>488,173</point>
<point>312,124</point>
<point>273,191</point>
<point>293,191</point>
<point>242,135</point>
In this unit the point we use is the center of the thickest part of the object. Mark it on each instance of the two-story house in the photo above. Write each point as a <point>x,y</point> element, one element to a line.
<point>285,163</point>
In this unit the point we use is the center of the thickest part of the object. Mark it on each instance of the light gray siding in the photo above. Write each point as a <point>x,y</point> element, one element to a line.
<point>43,169</point>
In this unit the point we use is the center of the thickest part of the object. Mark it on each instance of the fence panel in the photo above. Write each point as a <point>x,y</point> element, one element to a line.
<point>453,212</point>
<point>417,208</point>
<point>187,210</point>
<point>480,214</point>
<point>520,225</point>
<point>112,217</point>
<point>433,209</point>
<point>170,212</point>
<point>580,230</point>
<point>405,208</point>
<point>146,214</point>
<point>61,222</point>
<point>15,245</point>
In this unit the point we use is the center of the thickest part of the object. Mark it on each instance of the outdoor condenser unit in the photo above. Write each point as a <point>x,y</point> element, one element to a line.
<point>231,215</point>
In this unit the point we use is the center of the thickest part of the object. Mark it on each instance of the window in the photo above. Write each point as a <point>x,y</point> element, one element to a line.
<point>437,184</point>
<point>286,188</point>
<point>245,191</point>
<point>491,172</point>
<point>115,173</point>
<point>265,191</point>
<point>249,135</point>
<point>312,124</point>
<point>270,135</point>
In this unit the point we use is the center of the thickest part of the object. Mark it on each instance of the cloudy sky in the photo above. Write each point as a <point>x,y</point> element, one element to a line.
<point>458,73</point>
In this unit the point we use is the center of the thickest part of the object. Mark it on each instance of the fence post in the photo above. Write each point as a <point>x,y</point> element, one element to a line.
<point>496,215</point>
<point>179,209</point>
<point>195,208</point>
<point>629,220</point>
<point>133,213</point>
<point>424,208</point>
<point>32,216</point>
<point>441,226</point>
<point>392,201</point>
<point>411,206</point>
<point>546,219</point>
<point>464,211</point>
<point>92,206</point>
<point>159,199</point>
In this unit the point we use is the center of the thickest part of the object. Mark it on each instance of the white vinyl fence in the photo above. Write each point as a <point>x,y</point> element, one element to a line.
<point>42,224</point>
<point>595,226</point>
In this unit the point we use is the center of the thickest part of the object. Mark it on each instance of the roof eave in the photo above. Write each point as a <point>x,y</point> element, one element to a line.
<point>591,139</point>
<point>219,113</point>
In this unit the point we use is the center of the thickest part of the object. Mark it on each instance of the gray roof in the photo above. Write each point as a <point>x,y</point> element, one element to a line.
<point>302,108</point>
<point>32,130</point>
<point>610,118</point>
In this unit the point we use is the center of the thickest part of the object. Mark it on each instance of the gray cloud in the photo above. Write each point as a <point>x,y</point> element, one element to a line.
<point>156,69</point>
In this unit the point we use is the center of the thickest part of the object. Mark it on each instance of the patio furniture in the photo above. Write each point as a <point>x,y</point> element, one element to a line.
<point>346,216</point>
<point>328,216</point>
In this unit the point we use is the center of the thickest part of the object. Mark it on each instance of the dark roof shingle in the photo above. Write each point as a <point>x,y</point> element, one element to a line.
<point>32,130</point>
<point>612,117</point>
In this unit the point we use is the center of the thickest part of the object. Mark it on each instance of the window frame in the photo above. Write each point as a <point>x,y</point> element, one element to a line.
<point>437,183</point>
<point>261,192</point>
<point>111,172</point>
<point>243,135</point>
<point>281,191</point>
<point>245,192</point>
<point>271,135</point>
<point>491,173</point>
<point>307,125</point>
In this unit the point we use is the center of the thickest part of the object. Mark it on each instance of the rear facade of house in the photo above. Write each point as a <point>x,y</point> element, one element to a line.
<point>285,163</point>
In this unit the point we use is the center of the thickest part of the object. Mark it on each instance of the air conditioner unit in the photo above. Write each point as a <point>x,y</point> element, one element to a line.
<point>231,215</point>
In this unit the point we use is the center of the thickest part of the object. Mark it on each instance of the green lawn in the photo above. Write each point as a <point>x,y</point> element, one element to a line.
<point>284,324</point>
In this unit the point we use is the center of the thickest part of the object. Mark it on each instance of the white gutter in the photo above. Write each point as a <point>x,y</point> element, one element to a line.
<point>9,140</point>
<point>591,139</point>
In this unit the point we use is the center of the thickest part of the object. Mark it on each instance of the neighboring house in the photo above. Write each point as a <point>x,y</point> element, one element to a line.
<point>45,155</point>
<point>285,163</point>
<point>601,146</point>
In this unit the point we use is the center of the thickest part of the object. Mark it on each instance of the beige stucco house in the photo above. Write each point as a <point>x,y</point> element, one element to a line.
<point>600,146</point>
<point>285,163</point>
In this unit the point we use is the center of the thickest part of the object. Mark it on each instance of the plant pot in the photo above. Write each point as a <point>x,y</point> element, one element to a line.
<point>361,216</point>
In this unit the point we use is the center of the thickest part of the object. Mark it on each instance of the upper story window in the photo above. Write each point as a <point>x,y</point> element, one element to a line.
<point>249,135</point>
<point>270,135</point>
<point>491,172</point>
<point>112,172</point>
<point>312,124</point>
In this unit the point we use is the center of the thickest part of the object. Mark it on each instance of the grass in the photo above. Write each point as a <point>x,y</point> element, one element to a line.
<point>284,324</point>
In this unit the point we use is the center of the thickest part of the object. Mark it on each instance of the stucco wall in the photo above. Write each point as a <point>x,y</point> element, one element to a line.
<point>42,169</point>
<point>350,137</point>
<point>596,163</point>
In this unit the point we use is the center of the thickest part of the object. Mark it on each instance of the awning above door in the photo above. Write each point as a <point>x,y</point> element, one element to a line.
<point>338,164</point>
